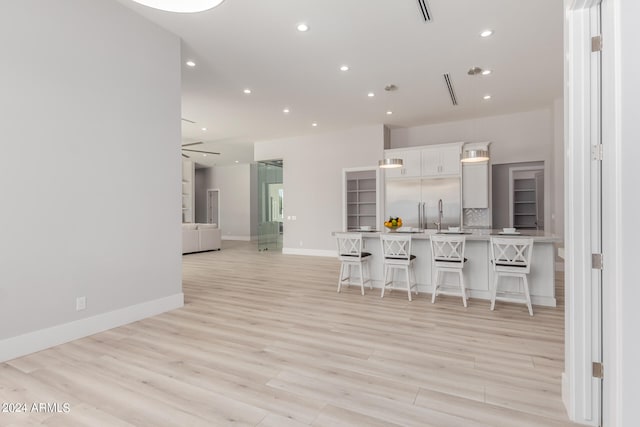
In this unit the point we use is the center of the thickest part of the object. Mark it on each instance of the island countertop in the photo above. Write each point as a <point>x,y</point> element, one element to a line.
<point>538,236</point>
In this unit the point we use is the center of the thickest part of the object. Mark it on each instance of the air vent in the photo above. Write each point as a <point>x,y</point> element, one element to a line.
<point>187,120</point>
<point>452,94</point>
<point>424,9</point>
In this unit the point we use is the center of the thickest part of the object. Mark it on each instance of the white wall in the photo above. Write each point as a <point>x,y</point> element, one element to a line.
<point>234,183</point>
<point>518,137</point>
<point>89,171</point>
<point>313,181</point>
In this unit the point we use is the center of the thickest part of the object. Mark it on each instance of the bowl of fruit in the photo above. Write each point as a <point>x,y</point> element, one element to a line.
<point>393,223</point>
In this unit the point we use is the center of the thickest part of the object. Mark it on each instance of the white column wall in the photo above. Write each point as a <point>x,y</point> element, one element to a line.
<point>89,171</point>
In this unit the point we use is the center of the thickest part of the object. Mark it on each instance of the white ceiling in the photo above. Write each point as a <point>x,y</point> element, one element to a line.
<point>254,44</point>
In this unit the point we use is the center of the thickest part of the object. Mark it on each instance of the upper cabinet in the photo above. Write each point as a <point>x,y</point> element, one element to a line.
<point>441,160</point>
<point>475,186</point>
<point>410,160</point>
<point>427,161</point>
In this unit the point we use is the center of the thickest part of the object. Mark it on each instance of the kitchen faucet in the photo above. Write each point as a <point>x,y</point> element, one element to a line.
<point>439,223</point>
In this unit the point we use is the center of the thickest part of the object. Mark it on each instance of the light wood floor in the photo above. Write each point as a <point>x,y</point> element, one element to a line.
<point>265,340</point>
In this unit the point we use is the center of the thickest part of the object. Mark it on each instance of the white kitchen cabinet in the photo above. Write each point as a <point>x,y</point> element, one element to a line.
<point>411,164</point>
<point>475,186</point>
<point>441,160</point>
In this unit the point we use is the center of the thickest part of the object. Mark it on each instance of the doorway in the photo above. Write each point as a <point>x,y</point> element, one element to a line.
<point>213,207</point>
<point>270,205</point>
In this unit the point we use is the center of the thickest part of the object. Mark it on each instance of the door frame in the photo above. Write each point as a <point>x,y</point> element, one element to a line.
<point>210,191</point>
<point>581,392</point>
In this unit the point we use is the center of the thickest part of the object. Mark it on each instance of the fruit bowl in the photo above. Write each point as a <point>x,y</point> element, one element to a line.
<point>393,223</point>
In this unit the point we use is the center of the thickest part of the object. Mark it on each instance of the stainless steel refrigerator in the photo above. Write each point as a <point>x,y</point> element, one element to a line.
<point>407,199</point>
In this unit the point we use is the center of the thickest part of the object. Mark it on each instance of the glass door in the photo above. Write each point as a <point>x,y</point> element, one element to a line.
<point>270,205</point>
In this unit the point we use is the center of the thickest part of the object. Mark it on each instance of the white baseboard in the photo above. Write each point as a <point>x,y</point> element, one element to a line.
<point>232,237</point>
<point>31,342</point>
<point>309,252</point>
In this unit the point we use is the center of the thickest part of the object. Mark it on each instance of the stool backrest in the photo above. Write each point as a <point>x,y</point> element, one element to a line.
<point>448,250</point>
<point>396,247</point>
<point>349,245</point>
<point>511,254</point>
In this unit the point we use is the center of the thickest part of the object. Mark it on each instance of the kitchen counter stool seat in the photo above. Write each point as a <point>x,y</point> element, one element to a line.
<point>396,250</point>
<point>350,255</point>
<point>447,256</point>
<point>511,256</point>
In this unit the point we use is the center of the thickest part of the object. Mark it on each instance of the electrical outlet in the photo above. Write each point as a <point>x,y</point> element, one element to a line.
<point>81,303</point>
<point>293,217</point>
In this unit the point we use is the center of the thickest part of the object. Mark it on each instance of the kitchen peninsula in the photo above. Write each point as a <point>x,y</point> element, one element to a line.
<point>478,273</point>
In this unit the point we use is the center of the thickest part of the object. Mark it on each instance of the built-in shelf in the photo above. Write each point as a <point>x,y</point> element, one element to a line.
<point>188,187</point>
<point>361,194</point>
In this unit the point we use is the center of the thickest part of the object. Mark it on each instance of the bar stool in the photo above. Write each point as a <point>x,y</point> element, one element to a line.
<point>396,251</point>
<point>447,256</point>
<point>350,254</point>
<point>511,256</point>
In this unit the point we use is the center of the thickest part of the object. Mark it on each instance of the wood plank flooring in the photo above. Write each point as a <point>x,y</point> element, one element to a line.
<point>264,340</point>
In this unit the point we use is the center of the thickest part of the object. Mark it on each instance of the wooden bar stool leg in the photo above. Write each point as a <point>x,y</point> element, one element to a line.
<point>462,289</point>
<point>526,294</point>
<point>494,290</point>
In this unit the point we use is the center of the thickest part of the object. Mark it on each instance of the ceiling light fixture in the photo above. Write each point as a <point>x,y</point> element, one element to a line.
<point>302,27</point>
<point>314,124</point>
<point>486,72</point>
<point>286,111</point>
<point>181,6</point>
<point>486,33</point>
<point>486,97</point>
<point>390,163</point>
<point>247,91</point>
<point>204,129</point>
<point>344,68</point>
<point>190,63</point>
<point>389,113</point>
<point>237,161</point>
<point>371,94</point>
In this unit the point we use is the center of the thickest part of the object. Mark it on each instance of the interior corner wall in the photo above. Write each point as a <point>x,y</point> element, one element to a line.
<point>89,172</point>
<point>557,215</point>
<point>312,180</point>
<point>516,137</point>
<point>234,183</point>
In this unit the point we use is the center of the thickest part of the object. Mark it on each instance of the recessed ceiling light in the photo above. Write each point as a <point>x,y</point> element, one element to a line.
<point>247,91</point>
<point>486,97</point>
<point>344,68</point>
<point>302,27</point>
<point>204,129</point>
<point>389,113</point>
<point>371,94</point>
<point>237,161</point>
<point>286,111</point>
<point>314,124</point>
<point>486,72</point>
<point>204,154</point>
<point>181,6</point>
<point>486,33</point>
<point>191,63</point>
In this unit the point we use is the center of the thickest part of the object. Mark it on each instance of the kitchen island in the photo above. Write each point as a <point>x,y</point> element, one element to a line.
<point>478,273</point>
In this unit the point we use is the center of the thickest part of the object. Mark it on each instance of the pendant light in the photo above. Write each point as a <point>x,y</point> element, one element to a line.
<point>474,155</point>
<point>390,163</point>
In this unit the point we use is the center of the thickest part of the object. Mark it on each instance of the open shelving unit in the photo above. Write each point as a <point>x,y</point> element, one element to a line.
<point>361,198</point>
<point>525,211</point>
<point>188,189</point>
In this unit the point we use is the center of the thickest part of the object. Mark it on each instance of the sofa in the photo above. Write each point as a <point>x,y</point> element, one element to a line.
<point>200,237</point>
